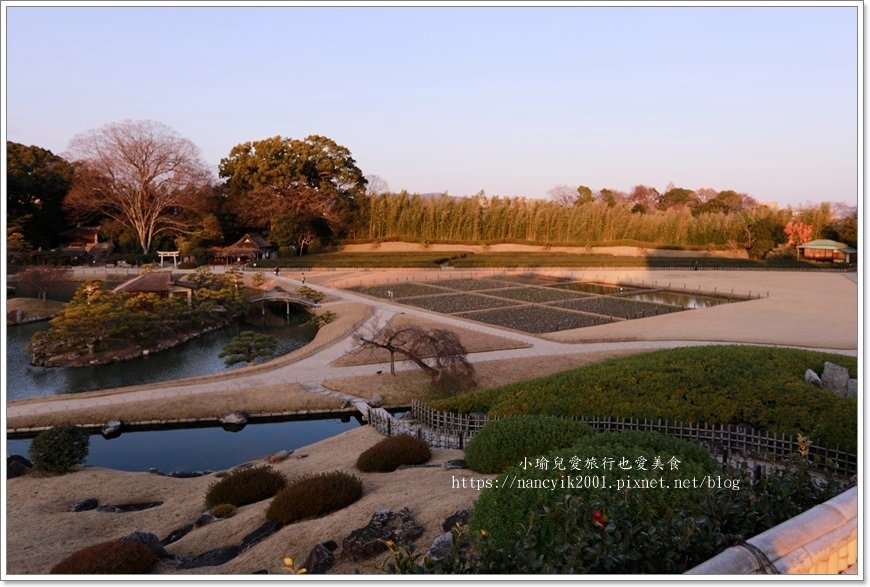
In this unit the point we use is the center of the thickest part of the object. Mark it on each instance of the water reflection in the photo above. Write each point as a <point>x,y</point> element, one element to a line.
<point>672,298</point>
<point>204,448</point>
<point>196,357</point>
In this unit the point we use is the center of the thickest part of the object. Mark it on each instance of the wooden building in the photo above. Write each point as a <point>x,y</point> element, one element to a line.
<point>162,283</point>
<point>827,250</point>
<point>251,247</point>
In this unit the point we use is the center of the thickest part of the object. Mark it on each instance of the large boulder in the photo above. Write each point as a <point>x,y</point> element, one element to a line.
<point>233,421</point>
<point>177,534</point>
<point>212,558</point>
<point>441,547</point>
<point>319,560</point>
<point>111,429</point>
<point>265,530</point>
<point>16,466</point>
<point>85,505</point>
<point>458,517</point>
<point>385,525</point>
<point>852,388</point>
<point>376,401</point>
<point>835,378</point>
<point>812,378</point>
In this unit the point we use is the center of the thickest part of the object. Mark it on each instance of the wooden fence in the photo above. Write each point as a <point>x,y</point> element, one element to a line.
<point>727,439</point>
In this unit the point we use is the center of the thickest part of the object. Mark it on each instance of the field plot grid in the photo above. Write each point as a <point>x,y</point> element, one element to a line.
<point>538,303</point>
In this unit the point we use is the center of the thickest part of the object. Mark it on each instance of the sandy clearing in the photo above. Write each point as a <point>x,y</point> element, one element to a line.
<point>405,386</point>
<point>42,531</point>
<point>473,341</point>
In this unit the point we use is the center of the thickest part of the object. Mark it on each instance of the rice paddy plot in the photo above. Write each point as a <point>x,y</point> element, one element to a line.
<point>459,302</point>
<point>535,319</point>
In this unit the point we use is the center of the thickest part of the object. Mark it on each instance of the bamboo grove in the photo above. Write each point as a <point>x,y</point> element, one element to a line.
<point>479,219</point>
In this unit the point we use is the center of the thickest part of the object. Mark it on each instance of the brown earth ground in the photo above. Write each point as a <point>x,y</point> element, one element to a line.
<point>45,531</point>
<point>405,386</point>
<point>473,341</point>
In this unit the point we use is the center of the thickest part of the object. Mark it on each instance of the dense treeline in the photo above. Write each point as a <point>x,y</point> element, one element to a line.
<point>481,219</point>
<point>148,189</point>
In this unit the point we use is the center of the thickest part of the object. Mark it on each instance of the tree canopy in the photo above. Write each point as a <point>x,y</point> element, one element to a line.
<point>314,177</point>
<point>37,181</point>
<point>141,174</point>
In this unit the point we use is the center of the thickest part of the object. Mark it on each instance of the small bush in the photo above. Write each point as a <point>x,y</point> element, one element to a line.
<point>314,495</point>
<point>508,441</point>
<point>391,452</point>
<point>59,449</point>
<point>310,294</point>
<point>118,557</point>
<point>244,486</point>
<point>224,510</point>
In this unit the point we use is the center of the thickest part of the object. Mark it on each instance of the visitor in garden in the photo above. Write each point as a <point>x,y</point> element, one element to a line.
<point>277,270</point>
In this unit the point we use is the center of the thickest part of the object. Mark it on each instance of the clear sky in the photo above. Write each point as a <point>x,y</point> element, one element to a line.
<point>509,100</point>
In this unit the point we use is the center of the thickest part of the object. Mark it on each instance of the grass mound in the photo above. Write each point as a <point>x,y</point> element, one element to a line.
<point>508,441</point>
<point>757,386</point>
<point>388,454</point>
<point>244,486</point>
<point>118,557</point>
<point>314,495</point>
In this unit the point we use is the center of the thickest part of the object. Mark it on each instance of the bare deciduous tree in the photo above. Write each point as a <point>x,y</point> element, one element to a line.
<point>42,279</point>
<point>448,366</point>
<point>141,174</point>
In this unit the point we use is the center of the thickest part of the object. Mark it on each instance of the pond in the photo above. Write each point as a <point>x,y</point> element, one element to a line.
<point>196,357</point>
<point>210,449</point>
<point>593,288</point>
<point>673,298</point>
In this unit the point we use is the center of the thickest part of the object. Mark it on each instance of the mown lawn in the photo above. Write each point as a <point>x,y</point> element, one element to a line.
<point>761,387</point>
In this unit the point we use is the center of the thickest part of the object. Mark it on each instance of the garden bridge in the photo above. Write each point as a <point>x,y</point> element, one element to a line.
<point>277,294</point>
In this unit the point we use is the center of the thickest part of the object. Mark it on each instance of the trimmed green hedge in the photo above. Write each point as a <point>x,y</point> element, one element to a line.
<point>759,386</point>
<point>245,486</point>
<point>314,495</point>
<point>508,441</point>
<point>388,454</point>
<point>588,529</point>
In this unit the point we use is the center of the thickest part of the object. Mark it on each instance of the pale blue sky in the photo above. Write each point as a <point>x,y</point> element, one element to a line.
<point>509,100</point>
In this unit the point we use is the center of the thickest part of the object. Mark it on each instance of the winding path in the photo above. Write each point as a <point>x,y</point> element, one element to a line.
<point>311,371</point>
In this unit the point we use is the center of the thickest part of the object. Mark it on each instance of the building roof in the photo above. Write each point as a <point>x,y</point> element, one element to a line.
<point>251,241</point>
<point>827,245</point>
<point>154,282</point>
<point>81,231</point>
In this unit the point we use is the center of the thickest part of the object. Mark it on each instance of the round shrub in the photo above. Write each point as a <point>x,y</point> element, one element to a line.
<point>314,495</point>
<point>508,441</point>
<point>224,510</point>
<point>118,557</point>
<point>391,452</point>
<point>597,526</point>
<point>244,486</point>
<point>59,449</point>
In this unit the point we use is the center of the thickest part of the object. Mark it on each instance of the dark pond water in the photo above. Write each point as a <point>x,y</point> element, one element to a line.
<point>673,298</point>
<point>197,449</point>
<point>196,357</point>
<point>593,288</point>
